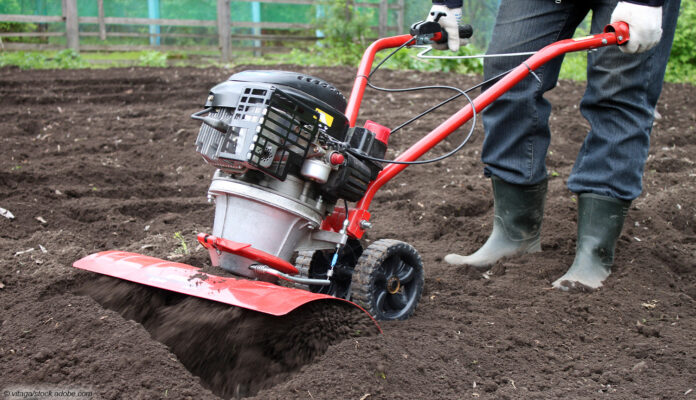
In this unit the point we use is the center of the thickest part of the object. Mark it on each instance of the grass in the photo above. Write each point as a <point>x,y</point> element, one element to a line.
<point>68,59</point>
<point>574,65</point>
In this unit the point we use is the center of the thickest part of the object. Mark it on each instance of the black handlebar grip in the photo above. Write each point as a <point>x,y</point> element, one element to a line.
<point>465,31</point>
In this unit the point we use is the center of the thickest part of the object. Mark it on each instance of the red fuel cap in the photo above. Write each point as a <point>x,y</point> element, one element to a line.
<point>381,132</point>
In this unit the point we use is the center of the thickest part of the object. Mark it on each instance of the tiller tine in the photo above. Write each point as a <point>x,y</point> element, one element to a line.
<point>264,297</point>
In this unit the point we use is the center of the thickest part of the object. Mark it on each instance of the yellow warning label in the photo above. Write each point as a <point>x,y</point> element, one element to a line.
<point>325,118</point>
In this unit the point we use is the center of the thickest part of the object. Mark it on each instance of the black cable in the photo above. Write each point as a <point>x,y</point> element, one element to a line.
<point>428,111</point>
<point>345,204</point>
<point>388,57</point>
<point>435,107</point>
<point>461,93</point>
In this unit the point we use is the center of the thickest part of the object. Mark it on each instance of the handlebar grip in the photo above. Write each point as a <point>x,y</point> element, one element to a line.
<point>426,31</point>
<point>465,31</point>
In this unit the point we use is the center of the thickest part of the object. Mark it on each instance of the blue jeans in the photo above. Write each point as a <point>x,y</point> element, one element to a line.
<point>621,94</point>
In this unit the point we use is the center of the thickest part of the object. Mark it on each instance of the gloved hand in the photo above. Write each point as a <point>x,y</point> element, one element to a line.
<point>450,23</point>
<point>644,25</point>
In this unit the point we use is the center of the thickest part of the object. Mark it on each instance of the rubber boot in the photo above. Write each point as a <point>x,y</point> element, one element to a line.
<point>518,211</point>
<point>600,220</point>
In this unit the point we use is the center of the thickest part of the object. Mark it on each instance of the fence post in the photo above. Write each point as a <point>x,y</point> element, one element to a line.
<point>383,17</point>
<point>400,17</point>
<point>72,29</point>
<point>256,19</point>
<point>223,23</point>
<point>102,27</point>
<point>153,12</point>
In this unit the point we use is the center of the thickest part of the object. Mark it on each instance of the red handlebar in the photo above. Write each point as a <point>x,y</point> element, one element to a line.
<point>616,33</point>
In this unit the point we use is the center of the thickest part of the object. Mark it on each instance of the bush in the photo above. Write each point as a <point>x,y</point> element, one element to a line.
<point>152,59</point>
<point>19,27</point>
<point>682,60</point>
<point>63,59</point>
<point>345,33</point>
<point>68,58</point>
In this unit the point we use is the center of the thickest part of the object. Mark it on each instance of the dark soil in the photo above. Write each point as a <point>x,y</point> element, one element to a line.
<point>97,160</point>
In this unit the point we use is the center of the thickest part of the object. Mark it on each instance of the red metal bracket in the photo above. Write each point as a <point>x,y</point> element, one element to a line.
<point>245,250</point>
<point>334,222</point>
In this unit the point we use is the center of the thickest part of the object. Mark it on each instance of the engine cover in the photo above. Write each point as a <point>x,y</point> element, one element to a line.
<point>314,92</point>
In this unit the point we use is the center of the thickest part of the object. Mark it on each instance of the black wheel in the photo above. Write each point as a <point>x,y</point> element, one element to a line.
<point>316,264</point>
<point>388,280</point>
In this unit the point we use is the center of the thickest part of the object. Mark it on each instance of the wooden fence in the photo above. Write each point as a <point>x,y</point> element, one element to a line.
<point>224,26</point>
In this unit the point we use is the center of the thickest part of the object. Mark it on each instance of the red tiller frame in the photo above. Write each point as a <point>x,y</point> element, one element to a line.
<point>616,33</point>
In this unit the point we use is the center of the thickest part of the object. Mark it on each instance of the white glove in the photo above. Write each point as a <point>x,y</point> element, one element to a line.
<point>450,23</point>
<point>644,25</point>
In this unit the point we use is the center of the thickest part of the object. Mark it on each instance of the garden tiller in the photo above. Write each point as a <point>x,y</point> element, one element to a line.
<point>289,157</point>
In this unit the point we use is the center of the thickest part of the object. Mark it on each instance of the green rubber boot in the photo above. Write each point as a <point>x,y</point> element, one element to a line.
<point>518,211</point>
<point>600,220</point>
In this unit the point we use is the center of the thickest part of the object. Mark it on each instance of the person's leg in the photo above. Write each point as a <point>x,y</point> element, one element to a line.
<point>619,103</point>
<point>516,125</point>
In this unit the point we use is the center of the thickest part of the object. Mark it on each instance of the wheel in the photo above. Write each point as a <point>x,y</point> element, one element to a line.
<point>388,280</point>
<point>315,265</point>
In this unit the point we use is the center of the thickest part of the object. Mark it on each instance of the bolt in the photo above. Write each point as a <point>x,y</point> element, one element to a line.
<point>604,41</point>
<point>365,224</point>
<point>620,38</point>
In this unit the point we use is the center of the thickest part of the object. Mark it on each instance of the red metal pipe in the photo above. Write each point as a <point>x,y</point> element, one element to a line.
<point>616,33</point>
<point>364,70</point>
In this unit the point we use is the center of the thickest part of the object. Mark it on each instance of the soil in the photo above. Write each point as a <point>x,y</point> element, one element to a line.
<point>98,160</point>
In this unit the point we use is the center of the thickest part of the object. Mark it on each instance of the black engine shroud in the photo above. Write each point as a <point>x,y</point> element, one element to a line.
<point>278,119</point>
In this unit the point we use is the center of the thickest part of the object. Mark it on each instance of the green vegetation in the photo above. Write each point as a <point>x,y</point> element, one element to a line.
<point>182,246</point>
<point>574,67</point>
<point>63,59</point>
<point>18,27</point>
<point>682,60</point>
<point>153,59</point>
<point>347,32</point>
<point>69,59</point>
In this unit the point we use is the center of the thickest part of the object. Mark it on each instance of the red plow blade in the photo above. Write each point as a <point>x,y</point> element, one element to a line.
<point>258,296</point>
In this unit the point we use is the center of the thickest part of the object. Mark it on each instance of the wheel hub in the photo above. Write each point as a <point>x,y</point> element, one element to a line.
<point>393,285</point>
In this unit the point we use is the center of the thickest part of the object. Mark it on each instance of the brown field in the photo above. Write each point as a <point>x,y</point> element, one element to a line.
<point>97,160</point>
